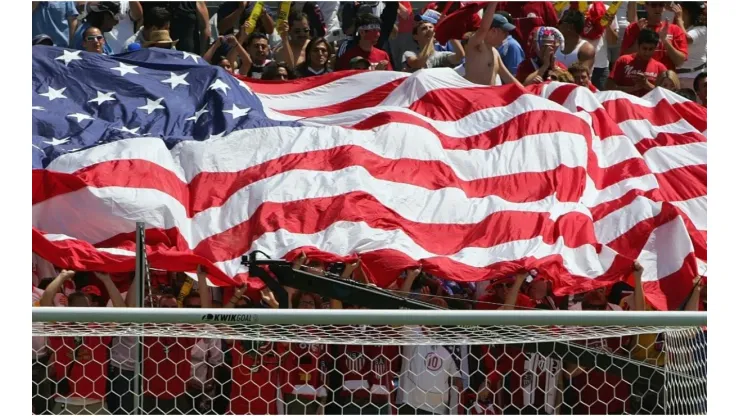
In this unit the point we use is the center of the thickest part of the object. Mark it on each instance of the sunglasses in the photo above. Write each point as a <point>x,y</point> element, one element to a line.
<point>96,38</point>
<point>301,31</point>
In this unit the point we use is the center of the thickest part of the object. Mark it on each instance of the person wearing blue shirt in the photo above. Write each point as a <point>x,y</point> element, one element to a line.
<point>510,50</point>
<point>56,19</point>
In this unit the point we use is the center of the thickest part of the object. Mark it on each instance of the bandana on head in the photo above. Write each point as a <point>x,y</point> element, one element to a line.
<point>370,27</point>
<point>540,35</point>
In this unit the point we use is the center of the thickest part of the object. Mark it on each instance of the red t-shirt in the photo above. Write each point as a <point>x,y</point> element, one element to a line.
<point>367,369</point>
<point>304,369</point>
<point>675,36</point>
<point>84,360</point>
<point>254,389</point>
<point>167,366</point>
<point>628,67</point>
<point>374,56</point>
<point>528,66</point>
<point>527,15</point>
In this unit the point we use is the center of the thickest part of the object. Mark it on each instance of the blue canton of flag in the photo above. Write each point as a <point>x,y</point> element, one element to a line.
<point>82,99</point>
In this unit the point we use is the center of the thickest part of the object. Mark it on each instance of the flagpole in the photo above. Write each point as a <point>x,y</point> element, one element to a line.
<point>140,296</point>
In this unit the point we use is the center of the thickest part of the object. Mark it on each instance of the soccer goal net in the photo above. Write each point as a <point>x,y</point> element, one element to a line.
<point>295,361</point>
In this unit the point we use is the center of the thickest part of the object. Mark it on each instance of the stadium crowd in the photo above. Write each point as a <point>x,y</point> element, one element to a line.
<point>630,46</point>
<point>633,48</point>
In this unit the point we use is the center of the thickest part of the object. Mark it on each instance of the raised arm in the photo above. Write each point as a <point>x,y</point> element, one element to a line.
<point>459,55</point>
<point>113,292</point>
<point>411,275</point>
<point>47,299</point>
<point>203,21</point>
<point>287,49</point>
<point>203,290</point>
<point>676,56</point>
<point>513,293</point>
<point>208,56</point>
<point>480,35</point>
<point>238,294</point>
<point>639,293</point>
<point>346,274</point>
<point>691,305</point>
<point>227,23</point>
<point>136,12</point>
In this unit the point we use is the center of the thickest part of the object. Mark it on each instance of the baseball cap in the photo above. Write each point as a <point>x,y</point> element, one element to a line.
<point>42,40</point>
<point>429,16</point>
<point>91,290</point>
<point>499,21</point>
<point>358,59</point>
<point>133,47</point>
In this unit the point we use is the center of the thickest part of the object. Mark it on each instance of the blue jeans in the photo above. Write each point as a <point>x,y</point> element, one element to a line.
<point>598,78</point>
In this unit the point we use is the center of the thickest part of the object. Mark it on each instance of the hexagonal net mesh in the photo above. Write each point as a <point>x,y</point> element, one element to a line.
<point>206,368</point>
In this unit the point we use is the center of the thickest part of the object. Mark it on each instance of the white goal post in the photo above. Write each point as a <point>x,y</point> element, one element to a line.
<point>546,352</point>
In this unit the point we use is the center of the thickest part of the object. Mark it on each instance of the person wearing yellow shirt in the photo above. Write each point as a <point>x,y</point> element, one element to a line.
<point>647,397</point>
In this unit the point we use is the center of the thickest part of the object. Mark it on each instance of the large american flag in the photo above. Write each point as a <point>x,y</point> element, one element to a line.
<point>469,182</point>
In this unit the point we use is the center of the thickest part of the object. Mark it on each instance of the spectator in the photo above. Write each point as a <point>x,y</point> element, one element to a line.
<point>129,18</point>
<point>542,45</point>
<point>594,390</point>
<point>299,35</point>
<point>528,15</point>
<point>403,40</point>
<point>160,39</point>
<point>93,40</point>
<point>360,63</point>
<point>636,73</point>
<point>385,12</point>
<point>190,25</point>
<point>668,80</point>
<point>540,290</point>
<point>689,94</point>
<point>368,27</point>
<point>44,40</point>
<point>602,44</point>
<point>230,16</point>
<point>483,65</point>
<point>574,48</point>
<point>80,363</point>
<point>429,374</point>
<point>104,16</point>
<point>255,367</point>
<point>56,19</point>
<point>169,365</point>
<point>317,61</point>
<point>580,76</point>
<point>672,49</point>
<point>694,15</point>
<point>155,19</point>
<point>424,55</point>
<point>237,59</point>
<point>560,75</point>
<point>258,49</point>
<point>304,367</point>
<point>277,71</point>
<point>700,86</point>
<point>509,49</point>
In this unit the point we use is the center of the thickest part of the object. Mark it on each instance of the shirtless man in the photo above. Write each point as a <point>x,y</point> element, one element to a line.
<point>482,61</point>
<point>299,38</point>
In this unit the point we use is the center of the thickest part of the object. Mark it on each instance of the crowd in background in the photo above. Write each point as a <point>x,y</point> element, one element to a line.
<point>628,46</point>
<point>634,48</point>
